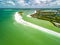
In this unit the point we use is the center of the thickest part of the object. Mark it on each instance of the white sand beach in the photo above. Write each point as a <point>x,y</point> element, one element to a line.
<point>19,19</point>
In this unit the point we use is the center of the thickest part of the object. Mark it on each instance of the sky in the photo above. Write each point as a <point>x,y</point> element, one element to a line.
<point>29,3</point>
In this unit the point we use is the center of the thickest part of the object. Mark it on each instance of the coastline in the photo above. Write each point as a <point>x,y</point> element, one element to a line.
<point>19,19</point>
<point>29,15</point>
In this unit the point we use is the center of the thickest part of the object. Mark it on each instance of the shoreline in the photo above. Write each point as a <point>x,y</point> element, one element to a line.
<point>29,15</point>
<point>19,20</point>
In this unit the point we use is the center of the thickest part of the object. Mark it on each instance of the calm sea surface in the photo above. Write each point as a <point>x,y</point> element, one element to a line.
<point>12,33</point>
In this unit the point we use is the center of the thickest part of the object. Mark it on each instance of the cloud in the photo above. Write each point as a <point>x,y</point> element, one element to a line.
<point>10,2</point>
<point>22,2</point>
<point>55,3</point>
<point>39,2</point>
<point>58,2</point>
<point>30,3</point>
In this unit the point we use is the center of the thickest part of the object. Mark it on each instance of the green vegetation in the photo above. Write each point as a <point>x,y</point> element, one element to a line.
<point>40,22</point>
<point>43,23</point>
<point>21,13</point>
<point>52,16</point>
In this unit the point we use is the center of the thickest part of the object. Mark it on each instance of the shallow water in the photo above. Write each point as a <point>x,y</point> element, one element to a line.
<point>12,33</point>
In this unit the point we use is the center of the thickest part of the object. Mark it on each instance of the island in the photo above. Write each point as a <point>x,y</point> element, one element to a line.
<point>50,15</point>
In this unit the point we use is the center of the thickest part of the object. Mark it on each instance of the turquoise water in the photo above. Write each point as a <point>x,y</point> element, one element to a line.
<point>12,33</point>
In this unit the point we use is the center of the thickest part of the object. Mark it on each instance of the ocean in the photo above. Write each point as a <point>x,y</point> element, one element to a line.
<point>13,33</point>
